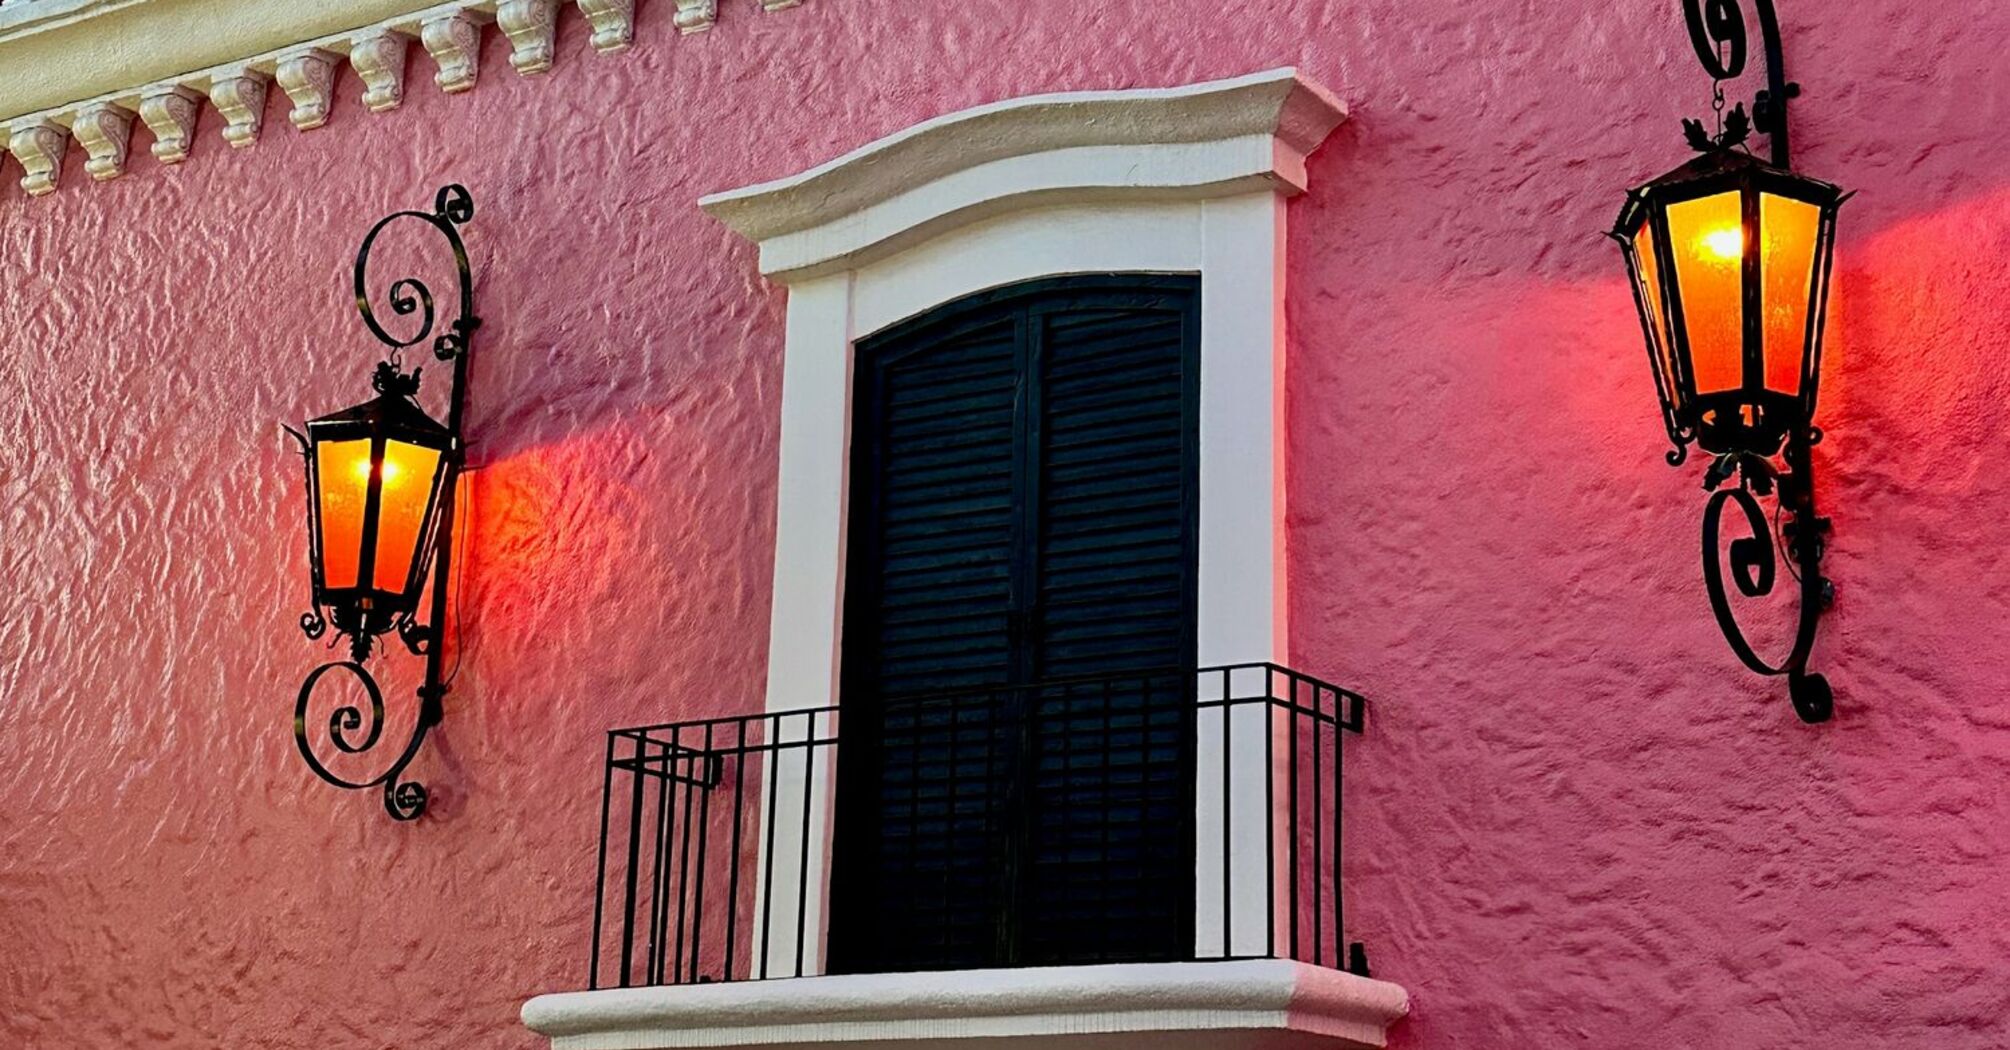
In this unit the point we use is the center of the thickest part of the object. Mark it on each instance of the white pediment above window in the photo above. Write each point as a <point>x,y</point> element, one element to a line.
<point>1217,139</point>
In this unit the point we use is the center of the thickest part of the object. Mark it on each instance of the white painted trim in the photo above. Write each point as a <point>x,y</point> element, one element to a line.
<point>1216,139</point>
<point>912,254</point>
<point>1221,1006</point>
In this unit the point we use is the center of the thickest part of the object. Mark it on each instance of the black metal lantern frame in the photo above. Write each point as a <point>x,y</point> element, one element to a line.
<point>365,604</point>
<point>1746,416</point>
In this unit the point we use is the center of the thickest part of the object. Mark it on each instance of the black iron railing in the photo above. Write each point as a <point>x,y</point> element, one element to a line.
<point>716,835</point>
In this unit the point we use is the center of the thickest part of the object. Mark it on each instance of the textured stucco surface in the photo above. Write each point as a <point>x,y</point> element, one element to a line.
<point>1575,822</point>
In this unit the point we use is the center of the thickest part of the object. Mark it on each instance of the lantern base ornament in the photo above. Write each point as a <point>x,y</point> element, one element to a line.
<point>1754,559</point>
<point>380,496</point>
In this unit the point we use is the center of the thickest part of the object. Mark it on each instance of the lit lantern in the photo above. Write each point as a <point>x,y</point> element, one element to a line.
<point>380,517</point>
<point>375,473</point>
<point>1729,259</point>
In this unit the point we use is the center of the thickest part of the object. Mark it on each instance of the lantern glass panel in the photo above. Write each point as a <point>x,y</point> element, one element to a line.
<point>407,492</point>
<point>1792,229</point>
<point>1648,277</point>
<point>342,472</point>
<point>1707,240</point>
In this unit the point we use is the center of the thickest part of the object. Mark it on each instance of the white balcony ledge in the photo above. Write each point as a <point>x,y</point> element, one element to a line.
<point>1267,1004</point>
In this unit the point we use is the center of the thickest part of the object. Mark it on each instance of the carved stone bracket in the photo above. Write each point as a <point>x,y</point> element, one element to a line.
<point>104,130</point>
<point>240,96</point>
<point>696,16</point>
<point>308,77</point>
<point>455,42</point>
<point>613,23</point>
<point>170,112</point>
<point>38,145</point>
<point>379,59</point>
<point>530,26</point>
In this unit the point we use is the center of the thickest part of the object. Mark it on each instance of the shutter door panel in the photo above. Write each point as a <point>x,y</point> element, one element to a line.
<point>946,521</point>
<point>1113,583</point>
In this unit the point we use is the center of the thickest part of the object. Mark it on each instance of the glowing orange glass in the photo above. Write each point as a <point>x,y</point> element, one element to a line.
<point>1706,238</point>
<point>401,512</point>
<point>1791,230</point>
<point>344,479</point>
<point>1649,276</point>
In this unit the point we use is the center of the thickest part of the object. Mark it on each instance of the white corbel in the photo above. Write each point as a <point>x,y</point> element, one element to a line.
<point>696,16</point>
<point>530,26</point>
<point>454,40</point>
<point>613,23</point>
<point>170,112</point>
<point>38,144</point>
<point>379,58</point>
<point>240,96</point>
<point>308,77</point>
<point>104,130</point>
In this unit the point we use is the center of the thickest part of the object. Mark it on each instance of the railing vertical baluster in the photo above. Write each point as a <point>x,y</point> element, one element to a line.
<point>1340,704</point>
<point>600,868</point>
<point>1227,814</point>
<point>1292,718</point>
<point>739,803</point>
<point>689,790</point>
<point>704,773</point>
<point>773,791</point>
<point>803,861</point>
<point>1268,707</point>
<point>634,842</point>
<point>659,876</point>
<point>1318,847</point>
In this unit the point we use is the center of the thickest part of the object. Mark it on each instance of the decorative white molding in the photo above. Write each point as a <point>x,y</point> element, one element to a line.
<point>613,23</point>
<point>1205,140</point>
<point>39,146</point>
<point>104,130</point>
<point>240,96</point>
<point>455,42</point>
<point>170,112</point>
<point>531,26</point>
<point>160,59</point>
<point>1171,1006</point>
<point>308,78</point>
<point>696,16</point>
<point>379,58</point>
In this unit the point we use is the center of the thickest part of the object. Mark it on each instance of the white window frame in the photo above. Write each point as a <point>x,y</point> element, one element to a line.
<point>1189,180</point>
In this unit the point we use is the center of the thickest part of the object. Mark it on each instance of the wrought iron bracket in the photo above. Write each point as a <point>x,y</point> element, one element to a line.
<point>403,799</point>
<point>1754,559</point>
<point>1717,31</point>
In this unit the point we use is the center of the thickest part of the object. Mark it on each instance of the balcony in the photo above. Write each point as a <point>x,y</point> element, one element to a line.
<point>1086,857</point>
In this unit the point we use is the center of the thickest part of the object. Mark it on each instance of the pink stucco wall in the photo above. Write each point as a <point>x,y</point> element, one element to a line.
<point>1575,822</point>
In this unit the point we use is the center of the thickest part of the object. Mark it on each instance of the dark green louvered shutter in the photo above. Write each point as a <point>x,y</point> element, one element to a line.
<point>1016,761</point>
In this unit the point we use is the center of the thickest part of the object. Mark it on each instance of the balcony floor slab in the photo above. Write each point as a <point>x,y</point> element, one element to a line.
<point>1265,1004</point>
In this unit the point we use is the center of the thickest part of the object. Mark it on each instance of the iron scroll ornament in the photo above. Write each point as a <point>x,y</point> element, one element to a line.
<point>351,728</point>
<point>1718,32</point>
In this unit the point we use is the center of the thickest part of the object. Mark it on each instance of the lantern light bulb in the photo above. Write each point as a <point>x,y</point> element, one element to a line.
<point>363,470</point>
<point>1726,243</point>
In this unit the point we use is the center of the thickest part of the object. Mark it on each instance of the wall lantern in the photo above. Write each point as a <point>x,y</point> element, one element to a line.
<point>1729,257</point>
<point>380,516</point>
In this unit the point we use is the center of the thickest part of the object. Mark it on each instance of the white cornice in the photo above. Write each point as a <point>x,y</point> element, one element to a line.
<point>1203,140</point>
<point>65,61</point>
<point>1219,1006</point>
